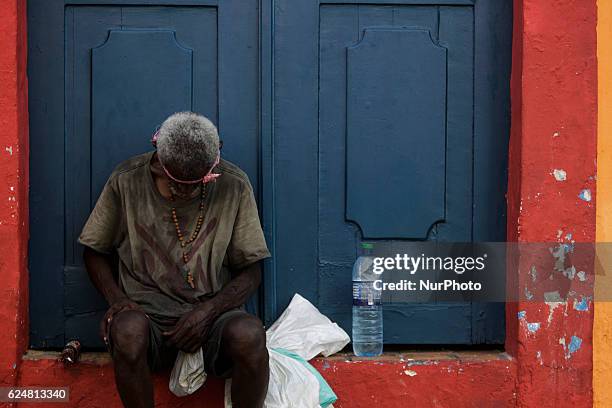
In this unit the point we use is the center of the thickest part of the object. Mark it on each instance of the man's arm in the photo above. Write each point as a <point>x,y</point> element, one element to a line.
<point>243,284</point>
<point>189,331</point>
<point>100,269</point>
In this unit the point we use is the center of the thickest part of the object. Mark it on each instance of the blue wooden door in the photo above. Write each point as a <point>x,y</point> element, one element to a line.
<point>390,123</point>
<point>103,75</point>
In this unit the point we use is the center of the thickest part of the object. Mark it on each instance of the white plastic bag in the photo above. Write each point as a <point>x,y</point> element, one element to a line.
<point>291,385</point>
<point>188,373</point>
<point>303,330</point>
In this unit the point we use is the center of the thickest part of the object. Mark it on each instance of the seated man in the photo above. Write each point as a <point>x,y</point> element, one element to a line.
<point>185,229</point>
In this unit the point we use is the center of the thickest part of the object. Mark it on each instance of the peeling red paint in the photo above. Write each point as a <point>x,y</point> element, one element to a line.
<point>554,89</point>
<point>397,384</point>
<point>13,189</point>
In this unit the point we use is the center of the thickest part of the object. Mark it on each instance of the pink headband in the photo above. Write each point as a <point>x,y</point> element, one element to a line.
<point>208,177</point>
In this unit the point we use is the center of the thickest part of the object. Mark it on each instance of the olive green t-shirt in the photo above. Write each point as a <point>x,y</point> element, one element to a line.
<point>132,218</point>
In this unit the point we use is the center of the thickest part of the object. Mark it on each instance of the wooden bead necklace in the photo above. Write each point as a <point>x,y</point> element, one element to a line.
<point>187,274</point>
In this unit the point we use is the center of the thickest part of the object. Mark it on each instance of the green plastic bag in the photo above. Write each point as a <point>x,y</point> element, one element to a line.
<point>326,394</point>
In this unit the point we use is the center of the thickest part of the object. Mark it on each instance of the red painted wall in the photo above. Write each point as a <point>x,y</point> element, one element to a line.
<point>553,127</point>
<point>554,90</point>
<point>13,188</point>
<point>92,386</point>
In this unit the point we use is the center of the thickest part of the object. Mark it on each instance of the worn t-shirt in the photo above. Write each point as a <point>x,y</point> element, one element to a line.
<point>132,218</point>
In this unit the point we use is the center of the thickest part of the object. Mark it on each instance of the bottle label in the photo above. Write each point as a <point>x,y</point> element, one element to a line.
<point>364,294</point>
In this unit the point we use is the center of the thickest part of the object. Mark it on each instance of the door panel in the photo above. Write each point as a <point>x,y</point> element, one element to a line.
<point>125,68</point>
<point>396,109</point>
<point>385,149</point>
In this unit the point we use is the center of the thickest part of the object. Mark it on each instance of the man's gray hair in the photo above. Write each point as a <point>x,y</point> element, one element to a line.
<point>187,143</point>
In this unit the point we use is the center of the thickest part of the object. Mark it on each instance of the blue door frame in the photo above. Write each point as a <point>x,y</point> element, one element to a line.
<point>285,169</point>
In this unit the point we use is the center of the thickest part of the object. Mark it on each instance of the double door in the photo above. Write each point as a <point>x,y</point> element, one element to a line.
<point>354,121</point>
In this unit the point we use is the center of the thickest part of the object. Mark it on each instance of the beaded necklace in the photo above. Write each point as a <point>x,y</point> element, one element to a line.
<point>187,274</point>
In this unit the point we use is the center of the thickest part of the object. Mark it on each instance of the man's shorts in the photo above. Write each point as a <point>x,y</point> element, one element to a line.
<point>161,355</point>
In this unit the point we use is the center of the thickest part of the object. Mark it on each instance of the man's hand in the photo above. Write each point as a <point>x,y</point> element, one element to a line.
<point>117,306</point>
<point>192,328</point>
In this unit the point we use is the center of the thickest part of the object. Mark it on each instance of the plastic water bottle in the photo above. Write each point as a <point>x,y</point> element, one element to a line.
<point>367,307</point>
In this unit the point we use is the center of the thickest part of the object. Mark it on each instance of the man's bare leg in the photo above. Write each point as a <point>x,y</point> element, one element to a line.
<point>244,343</point>
<point>129,334</point>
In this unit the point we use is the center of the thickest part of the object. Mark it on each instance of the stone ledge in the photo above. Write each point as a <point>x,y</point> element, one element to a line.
<point>395,380</point>
<point>103,357</point>
<point>406,356</point>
